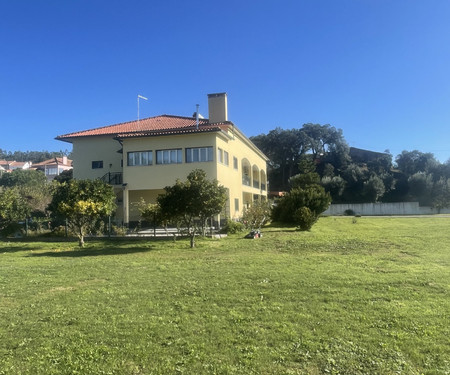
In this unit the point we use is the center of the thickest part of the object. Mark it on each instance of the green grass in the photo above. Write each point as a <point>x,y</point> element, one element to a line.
<point>364,297</point>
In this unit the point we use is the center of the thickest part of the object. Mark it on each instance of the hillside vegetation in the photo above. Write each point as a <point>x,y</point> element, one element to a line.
<point>352,296</point>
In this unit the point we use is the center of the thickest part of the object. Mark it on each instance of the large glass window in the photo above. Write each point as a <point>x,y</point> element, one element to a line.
<point>199,154</point>
<point>168,156</point>
<point>140,158</point>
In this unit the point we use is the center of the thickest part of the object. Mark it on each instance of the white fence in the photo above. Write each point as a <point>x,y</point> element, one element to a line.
<point>378,209</point>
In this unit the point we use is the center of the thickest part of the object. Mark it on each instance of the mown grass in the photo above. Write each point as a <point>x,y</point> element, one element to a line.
<point>353,296</point>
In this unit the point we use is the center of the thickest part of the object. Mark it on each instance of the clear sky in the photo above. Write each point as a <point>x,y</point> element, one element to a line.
<point>377,69</point>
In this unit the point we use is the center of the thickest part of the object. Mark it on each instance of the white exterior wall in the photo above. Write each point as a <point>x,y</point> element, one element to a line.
<point>380,209</point>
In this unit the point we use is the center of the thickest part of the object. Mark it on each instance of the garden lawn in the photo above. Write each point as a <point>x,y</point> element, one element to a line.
<point>353,296</point>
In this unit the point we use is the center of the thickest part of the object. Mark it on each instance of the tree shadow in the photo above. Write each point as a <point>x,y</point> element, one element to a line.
<point>89,252</point>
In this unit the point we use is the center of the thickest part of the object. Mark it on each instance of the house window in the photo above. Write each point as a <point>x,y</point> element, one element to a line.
<point>140,158</point>
<point>168,156</point>
<point>199,154</point>
<point>236,204</point>
<point>51,171</point>
<point>98,164</point>
<point>222,156</point>
<point>235,162</point>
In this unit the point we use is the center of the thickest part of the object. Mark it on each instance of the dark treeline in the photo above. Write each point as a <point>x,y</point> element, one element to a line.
<point>353,175</point>
<point>33,156</point>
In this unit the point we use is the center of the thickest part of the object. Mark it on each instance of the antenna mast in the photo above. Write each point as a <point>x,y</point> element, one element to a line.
<point>139,97</point>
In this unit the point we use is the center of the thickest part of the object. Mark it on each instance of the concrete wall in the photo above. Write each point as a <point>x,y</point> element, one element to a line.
<point>378,209</point>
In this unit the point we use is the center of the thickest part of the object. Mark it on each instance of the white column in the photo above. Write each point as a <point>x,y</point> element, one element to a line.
<point>126,211</point>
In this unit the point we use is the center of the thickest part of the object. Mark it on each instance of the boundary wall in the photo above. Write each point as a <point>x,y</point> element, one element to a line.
<point>381,209</point>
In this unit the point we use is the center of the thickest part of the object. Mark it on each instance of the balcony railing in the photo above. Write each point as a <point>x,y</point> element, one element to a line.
<point>113,178</point>
<point>246,180</point>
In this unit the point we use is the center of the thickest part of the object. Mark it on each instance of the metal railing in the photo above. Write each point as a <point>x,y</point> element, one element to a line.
<point>113,178</point>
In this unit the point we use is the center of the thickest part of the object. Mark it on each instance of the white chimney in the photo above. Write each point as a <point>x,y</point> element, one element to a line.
<point>217,107</point>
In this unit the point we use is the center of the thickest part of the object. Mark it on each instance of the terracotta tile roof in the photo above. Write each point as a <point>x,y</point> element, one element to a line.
<point>54,161</point>
<point>152,126</point>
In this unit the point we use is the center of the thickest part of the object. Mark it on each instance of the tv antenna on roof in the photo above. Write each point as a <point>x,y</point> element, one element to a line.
<point>139,97</point>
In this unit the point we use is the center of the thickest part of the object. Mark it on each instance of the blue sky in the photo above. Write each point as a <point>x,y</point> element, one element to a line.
<point>377,69</point>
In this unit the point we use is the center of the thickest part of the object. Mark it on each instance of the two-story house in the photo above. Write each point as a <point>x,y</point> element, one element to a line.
<point>142,157</point>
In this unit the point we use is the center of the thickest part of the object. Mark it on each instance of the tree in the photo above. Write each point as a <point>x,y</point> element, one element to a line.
<point>13,208</point>
<point>327,146</point>
<point>420,188</point>
<point>23,177</point>
<point>64,176</point>
<point>373,189</point>
<point>302,206</point>
<point>284,147</point>
<point>411,162</point>
<point>441,194</point>
<point>33,186</point>
<point>151,212</point>
<point>257,215</point>
<point>83,203</point>
<point>335,186</point>
<point>193,201</point>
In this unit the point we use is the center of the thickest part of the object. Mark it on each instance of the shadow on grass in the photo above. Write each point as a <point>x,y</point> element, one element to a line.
<point>92,252</point>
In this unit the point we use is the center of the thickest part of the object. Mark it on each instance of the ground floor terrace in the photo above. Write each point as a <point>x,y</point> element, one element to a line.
<point>128,214</point>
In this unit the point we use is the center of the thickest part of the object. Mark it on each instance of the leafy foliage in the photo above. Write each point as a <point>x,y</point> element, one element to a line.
<point>290,208</point>
<point>232,227</point>
<point>192,202</point>
<point>32,186</point>
<point>13,208</point>
<point>257,215</point>
<point>83,203</point>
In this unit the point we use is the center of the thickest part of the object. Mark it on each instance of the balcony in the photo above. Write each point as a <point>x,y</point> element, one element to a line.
<point>113,178</point>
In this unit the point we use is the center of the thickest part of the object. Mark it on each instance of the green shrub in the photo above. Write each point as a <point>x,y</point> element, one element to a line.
<point>305,218</point>
<point>349,212</point>
<point>232,227</point>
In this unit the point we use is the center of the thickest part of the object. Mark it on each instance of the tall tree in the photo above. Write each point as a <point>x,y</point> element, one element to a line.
<point>193,201</point>
<point>83,203</point>
<point>411,162</point>
<point>284,148</point>
<point>327,145</point>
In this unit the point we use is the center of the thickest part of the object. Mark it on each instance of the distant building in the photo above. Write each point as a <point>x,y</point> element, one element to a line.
<point>10,165</point>
<point>360,155</point>
<point>54,167</point>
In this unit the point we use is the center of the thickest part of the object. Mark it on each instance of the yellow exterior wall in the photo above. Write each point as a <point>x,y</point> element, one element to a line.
<point>149,181</point>
<point>88,149</point>
<point>157,176</point>
<point>237,147</point>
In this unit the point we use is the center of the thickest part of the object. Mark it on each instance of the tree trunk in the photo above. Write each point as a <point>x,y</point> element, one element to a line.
<point>81,240</point>
<point>192,240</point>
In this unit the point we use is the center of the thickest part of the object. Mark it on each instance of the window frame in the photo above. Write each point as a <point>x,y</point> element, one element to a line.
<point>167,155</point>
<point>191,157</point>
<point>140,159</point>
